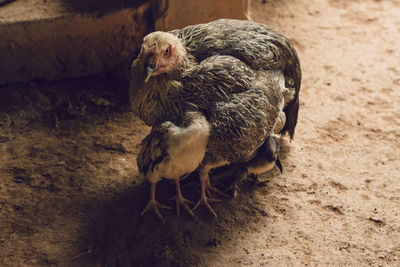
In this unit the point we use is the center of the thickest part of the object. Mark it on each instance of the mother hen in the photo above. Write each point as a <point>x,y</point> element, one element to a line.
<point>255,44</point>
<point>241,101</point>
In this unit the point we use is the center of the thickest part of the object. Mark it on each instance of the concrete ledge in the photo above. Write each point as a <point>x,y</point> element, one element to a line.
<point>51,42</point>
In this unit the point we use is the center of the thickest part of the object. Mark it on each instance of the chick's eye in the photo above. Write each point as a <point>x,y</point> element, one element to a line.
<point>166,53</point>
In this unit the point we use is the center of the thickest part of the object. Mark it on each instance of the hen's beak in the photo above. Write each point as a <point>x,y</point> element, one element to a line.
<point>149,72</point>
<point>150,69</point>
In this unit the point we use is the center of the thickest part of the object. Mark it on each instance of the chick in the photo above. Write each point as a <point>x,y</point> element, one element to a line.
<point>173,152</point>
<point>265,158</point>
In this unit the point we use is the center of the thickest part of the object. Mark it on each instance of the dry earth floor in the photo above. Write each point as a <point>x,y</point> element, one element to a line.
<point>70,196</point>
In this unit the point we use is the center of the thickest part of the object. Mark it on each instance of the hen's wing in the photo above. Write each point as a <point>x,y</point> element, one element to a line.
<point>215,79</point>
<point>241,104</point>
<point>241,125</point>
<point>256,44</point>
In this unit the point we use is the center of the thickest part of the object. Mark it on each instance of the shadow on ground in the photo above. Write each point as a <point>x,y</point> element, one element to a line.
<point>70,191</point>
<point>119,236</point>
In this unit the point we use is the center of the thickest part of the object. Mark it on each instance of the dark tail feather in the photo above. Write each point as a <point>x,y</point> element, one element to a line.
<point>292,71</point>
<point>291,112</point>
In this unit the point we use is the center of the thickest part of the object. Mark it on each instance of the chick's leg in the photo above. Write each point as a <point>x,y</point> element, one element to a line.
<point>206,186</point>
<point>238,173</point>
<point>210,188</point>
<point>181,201</point>
<point>153,204</point>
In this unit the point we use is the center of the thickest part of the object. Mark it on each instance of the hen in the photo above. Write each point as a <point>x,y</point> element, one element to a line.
<point>256,44</point>
<point>242,102</point>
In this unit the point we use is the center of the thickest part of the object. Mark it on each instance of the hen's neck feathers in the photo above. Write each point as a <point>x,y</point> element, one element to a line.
<point>150,100</point>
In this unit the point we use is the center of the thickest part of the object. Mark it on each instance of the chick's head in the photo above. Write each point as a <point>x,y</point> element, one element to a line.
<point>162,52</point>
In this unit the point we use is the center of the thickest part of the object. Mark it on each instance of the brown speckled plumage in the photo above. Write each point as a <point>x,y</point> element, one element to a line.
<point>256,44</point>
<point>242,105</point>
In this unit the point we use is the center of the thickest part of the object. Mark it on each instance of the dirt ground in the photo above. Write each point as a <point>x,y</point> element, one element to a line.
<point>70,195</point>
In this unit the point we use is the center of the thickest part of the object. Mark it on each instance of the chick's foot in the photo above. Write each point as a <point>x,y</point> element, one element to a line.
<point>181,201</point>
<point>206,186</point>
<point>154,204</point>
<point>210,188</point>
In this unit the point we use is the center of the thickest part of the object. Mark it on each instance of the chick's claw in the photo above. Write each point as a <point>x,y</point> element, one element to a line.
<point>204,200</point>
<point>206,187</point>
<point>181,201</point>
<point>215,190</point>
<point>155,205</point>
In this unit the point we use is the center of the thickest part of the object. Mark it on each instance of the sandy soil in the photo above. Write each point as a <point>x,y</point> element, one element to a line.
<point>70,196</point>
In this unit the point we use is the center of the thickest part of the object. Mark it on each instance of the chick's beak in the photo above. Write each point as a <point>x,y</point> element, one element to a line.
<point>278,163</point>
<point>151,68</point>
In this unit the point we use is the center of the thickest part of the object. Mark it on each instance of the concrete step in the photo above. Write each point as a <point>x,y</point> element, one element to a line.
<point>51,40</point>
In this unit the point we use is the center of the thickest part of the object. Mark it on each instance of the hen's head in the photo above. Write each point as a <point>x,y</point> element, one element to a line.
<point>162,52</point>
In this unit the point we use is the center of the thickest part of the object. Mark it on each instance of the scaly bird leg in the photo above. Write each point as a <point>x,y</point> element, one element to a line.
<point>204,181</point>
<point>209,188</point>
<point>154,204</point>
<point>180,200</point>
<point>240,175</point>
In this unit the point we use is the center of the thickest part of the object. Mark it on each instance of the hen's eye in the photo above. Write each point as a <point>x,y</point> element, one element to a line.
<point>166,53</point>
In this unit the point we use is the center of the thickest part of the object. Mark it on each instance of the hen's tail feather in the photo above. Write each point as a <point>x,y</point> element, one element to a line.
<point>291,112</point>
<point>292,108</point>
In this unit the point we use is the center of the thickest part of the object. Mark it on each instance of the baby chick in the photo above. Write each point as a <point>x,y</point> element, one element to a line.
<point>173,152</point>
<point>265,158</point>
